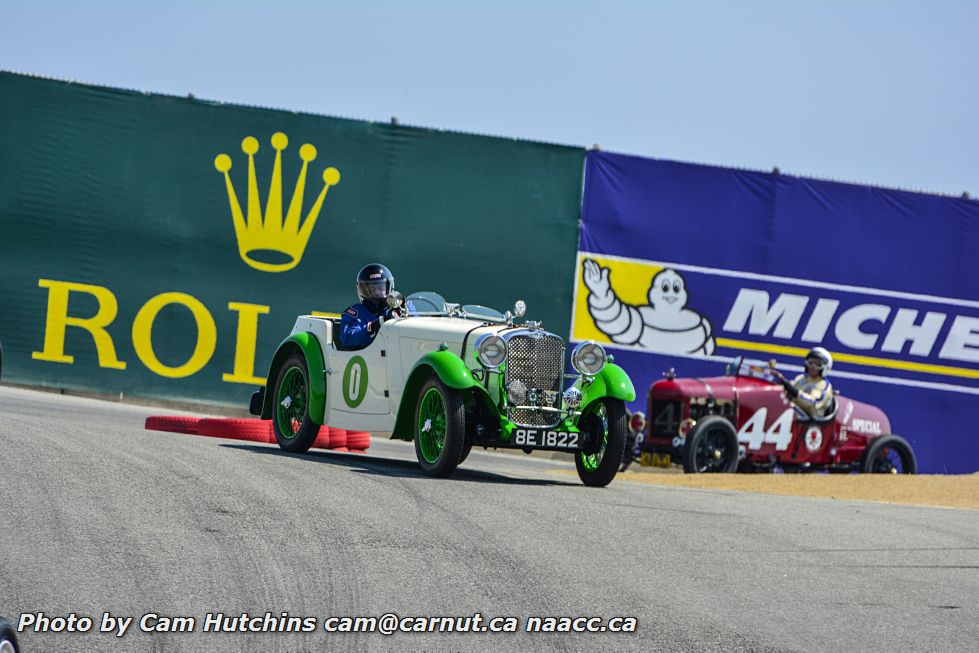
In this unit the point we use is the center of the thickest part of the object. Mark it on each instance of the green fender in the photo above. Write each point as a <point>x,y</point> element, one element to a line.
<point>453,373</point>
<point>612,381</point>
<point>309,346</point>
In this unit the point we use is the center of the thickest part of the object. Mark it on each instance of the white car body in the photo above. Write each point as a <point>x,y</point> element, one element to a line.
<point>389,359</point>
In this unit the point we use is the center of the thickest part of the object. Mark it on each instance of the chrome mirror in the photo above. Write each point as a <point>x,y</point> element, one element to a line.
<point>396,299</point>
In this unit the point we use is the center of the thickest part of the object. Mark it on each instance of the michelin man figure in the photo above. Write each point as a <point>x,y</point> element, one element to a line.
<point>664,325</point>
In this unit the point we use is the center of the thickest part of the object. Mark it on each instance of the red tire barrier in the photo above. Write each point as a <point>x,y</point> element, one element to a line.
<point>338,439</point>
<point>323,439</point>
<point>360,440</point>
<point>252,430</point>
<point>172,423</point>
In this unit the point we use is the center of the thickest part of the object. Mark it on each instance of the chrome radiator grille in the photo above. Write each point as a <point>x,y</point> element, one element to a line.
<point>538,361</point>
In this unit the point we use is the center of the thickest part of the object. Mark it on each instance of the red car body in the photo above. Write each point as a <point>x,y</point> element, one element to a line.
<point>769,431</point>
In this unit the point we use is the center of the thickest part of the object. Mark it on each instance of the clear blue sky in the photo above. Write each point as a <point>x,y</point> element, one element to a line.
<point>884,93</point>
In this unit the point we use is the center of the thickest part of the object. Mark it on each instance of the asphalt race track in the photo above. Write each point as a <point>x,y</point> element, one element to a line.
<point>99,515</point>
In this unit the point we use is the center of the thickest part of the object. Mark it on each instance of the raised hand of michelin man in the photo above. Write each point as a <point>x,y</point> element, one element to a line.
<point>596,279</point>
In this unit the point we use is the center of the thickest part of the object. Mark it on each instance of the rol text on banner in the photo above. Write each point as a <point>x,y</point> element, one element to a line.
<point>162,247</point>
<point>688,266</point>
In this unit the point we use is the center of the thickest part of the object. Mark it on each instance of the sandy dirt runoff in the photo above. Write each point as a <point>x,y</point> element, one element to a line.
<point>951,491</point>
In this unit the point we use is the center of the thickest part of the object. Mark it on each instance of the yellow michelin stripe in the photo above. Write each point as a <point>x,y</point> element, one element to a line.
<point>871,361</point>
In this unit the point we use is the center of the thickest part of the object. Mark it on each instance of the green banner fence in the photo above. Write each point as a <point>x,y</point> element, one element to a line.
<point>161,247</point>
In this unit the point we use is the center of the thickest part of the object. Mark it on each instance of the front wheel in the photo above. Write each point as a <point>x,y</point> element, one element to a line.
<point>605,421</point>
<point>440,428</point>
<point>8,637</point>
<point>633,448</point>
<point>294,430</point>
<point>890,454</point>
<point>711,448</point>
<point>465,451</point>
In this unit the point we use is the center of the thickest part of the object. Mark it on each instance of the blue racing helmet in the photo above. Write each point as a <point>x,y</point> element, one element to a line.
<point>374,283</point>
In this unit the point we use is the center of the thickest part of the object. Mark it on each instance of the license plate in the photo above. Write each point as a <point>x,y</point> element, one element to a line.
<point>648,459</point>
<point>546,438</point>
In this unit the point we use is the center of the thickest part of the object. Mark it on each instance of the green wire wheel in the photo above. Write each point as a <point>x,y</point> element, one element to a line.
<point>439,429</point>
<point>604,420</point>
<point>293,428</point>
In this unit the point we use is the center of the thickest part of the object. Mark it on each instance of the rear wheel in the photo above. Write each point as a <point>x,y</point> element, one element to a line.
<point>294,430</point>
<point>890,454</point>
<point>605,422</point>
<point>712,447</point>
<point>440,428</point>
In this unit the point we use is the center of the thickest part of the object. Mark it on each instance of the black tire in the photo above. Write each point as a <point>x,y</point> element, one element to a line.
<point>628,455</point>
<point>599,468</point>
<point>877,457</point>
<point>712,447</point>
<point>466,448</point>
<point>440,428</point>
<point>8,637</point>
<point>293,428</point>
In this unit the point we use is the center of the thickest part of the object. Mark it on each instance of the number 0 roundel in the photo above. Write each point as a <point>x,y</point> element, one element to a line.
<point>354,382</point>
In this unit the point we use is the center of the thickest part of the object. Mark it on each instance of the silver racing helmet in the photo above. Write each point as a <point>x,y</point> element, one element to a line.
<point>823,356</point>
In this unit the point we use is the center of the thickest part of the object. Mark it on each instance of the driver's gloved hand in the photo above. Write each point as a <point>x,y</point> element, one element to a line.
<point>791,390</point>
<point>373,326</point>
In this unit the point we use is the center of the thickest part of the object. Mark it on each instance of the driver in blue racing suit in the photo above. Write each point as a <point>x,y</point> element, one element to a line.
<point>361,322</point>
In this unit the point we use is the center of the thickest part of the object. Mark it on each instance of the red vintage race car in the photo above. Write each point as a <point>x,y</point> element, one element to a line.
<point>743,421</point>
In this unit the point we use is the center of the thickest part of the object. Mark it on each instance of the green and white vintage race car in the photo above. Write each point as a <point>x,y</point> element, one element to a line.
<point>450,377</point>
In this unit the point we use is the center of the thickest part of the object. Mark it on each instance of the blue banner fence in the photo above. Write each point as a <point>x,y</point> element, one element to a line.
<point>710,263</point>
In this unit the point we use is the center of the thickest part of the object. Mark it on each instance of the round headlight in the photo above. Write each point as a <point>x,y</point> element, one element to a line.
<point>516,392</point>
<point>491,351</point>
<point>520,308</point>
<point>588,358</point>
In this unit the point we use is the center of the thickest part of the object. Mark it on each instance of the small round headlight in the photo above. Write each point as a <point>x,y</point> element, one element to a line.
<point>516,392</point>
<point>520,308</point>
<point>491,351</point>
<point>588,358</point>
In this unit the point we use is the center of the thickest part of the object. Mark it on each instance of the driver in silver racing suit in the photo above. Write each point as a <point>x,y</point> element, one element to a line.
<point>810,391</point>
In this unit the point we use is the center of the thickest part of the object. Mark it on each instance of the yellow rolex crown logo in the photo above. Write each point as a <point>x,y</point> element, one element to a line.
<point>264,241</point>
